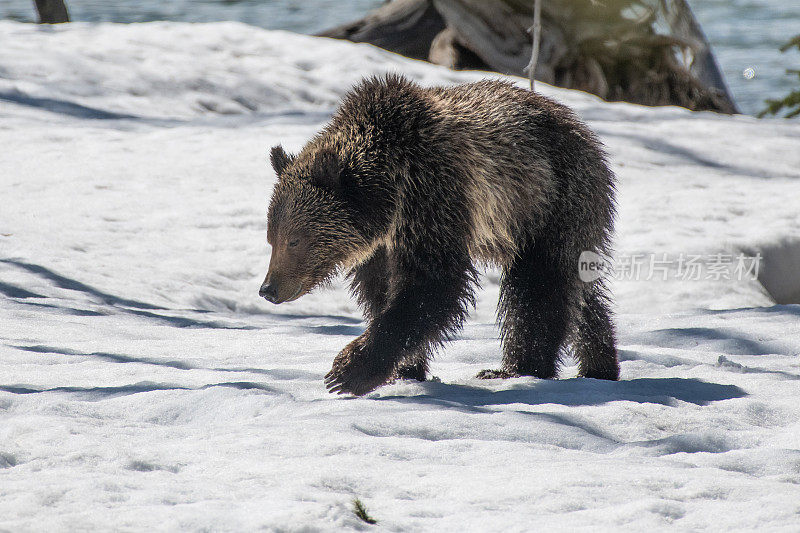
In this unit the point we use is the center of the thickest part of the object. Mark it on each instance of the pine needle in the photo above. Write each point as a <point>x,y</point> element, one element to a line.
<point>361,512</point>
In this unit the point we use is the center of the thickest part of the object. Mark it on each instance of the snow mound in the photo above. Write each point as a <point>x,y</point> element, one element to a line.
<point>780,274</point>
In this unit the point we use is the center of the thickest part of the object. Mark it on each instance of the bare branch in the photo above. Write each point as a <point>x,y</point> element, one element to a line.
<point>536,31</point>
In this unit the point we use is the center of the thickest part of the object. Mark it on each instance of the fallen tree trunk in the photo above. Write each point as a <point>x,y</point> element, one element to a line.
<point>611,49</point>
<point>407,27</point>
<point>704,65</point>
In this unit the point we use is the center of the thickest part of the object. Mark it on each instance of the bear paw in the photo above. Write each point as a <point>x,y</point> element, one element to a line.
<point>410,372</point>
<point>496,374</point>
<point>355,371</point>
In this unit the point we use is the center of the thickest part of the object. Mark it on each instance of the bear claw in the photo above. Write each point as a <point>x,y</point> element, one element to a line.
<point>336,385</point>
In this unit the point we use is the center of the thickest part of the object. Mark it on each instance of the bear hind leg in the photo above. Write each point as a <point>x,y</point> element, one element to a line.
<point>534,313</point>
<point>594,338</point>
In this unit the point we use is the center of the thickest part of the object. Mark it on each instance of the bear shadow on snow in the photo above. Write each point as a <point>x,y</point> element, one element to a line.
<point>576,392</point>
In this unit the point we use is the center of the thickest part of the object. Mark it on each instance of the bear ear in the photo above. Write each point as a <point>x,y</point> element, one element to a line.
<point>279,159</point>
<point>327,171</point>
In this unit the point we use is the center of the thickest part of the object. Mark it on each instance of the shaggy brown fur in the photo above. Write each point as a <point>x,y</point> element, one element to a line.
<point>408,188</point>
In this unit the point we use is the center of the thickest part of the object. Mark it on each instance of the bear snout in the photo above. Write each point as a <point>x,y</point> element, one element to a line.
<point>269,292</point>
<point>280,291</point>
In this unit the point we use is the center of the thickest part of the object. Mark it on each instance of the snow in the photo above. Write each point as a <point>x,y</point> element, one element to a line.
<point>144,385</point>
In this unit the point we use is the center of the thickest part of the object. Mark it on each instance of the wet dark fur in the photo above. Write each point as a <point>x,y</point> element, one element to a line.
<point>410,188</point>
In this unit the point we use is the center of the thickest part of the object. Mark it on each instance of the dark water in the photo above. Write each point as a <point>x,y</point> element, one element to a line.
<point>746,34</point>
<point>303,16</point>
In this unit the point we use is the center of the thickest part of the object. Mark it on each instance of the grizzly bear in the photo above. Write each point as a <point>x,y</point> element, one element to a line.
<point>407,189</point>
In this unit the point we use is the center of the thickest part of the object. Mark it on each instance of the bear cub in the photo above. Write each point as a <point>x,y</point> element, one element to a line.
<point>407,189</point>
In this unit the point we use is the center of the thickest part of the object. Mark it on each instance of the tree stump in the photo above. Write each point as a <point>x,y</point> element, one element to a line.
<point>52,11</point>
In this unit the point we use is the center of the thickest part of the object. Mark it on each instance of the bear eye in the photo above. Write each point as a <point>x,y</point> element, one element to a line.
<point>294,243</point>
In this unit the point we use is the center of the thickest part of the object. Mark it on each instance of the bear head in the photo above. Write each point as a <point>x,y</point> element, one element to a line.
<point>309,223</point>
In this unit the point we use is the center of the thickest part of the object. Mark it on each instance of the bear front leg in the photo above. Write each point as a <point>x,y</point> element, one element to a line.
<point>369,283</point>
<point>427,307</point>
<point>416,369</point>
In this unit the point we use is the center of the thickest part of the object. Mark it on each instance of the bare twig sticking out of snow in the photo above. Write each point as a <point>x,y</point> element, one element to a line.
<point>536,30</point>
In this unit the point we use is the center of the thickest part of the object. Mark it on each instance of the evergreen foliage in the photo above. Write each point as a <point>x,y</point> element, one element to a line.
<point>790,102</point>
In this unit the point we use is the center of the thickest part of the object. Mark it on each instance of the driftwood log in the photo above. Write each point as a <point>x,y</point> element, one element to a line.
<point>650,52</point>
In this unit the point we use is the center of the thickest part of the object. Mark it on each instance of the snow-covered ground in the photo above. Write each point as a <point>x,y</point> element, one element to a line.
<point>144,385</point>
